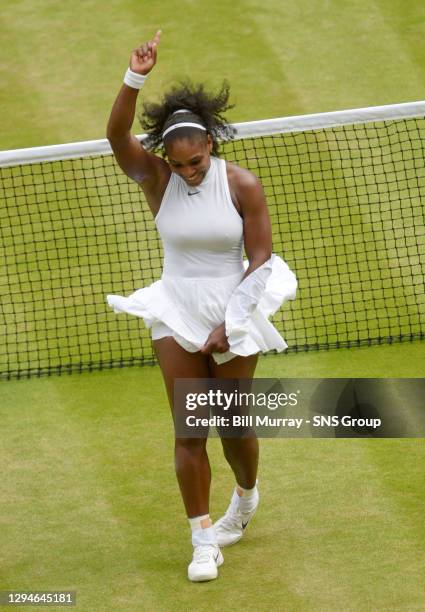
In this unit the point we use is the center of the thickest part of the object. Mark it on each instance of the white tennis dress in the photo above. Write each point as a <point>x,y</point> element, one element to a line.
<point>200,287</point>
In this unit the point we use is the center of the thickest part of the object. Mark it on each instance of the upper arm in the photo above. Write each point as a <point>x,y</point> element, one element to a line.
<point>148,170</point>
<point>256,221</point>
<point>135,161</point>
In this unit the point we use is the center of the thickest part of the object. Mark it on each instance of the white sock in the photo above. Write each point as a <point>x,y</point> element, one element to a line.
<point>248,500</point>
<point>195,522</point>
<point>202,535</point>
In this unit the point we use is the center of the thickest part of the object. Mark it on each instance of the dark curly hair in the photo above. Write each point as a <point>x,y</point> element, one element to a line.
<point>209,107</point>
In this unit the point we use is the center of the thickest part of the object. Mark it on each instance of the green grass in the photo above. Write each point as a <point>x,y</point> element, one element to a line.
<point>280,57</point>
<point>90,501</point>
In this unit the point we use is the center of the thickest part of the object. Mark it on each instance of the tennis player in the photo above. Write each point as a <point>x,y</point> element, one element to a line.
<point>209,312</point>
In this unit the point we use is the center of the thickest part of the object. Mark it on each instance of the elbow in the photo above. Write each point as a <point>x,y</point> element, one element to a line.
<point>117,141</point>
<point>259,258</point>
<point>262,255</point>
<point>111,135</point>
<point>109,131</point>
<point>115,135</point>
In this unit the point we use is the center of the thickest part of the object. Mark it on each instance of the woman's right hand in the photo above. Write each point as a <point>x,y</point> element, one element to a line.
<point>143,59</point>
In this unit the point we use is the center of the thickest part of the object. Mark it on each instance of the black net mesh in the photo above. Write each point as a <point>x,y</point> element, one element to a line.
<point>347,211</point>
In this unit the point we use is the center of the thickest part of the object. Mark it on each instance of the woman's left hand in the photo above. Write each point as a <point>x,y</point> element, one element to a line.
<point>216,342</point>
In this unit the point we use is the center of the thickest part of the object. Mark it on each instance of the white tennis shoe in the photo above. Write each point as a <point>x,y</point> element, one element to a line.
<point>230,528</point>
<point>207,558</point>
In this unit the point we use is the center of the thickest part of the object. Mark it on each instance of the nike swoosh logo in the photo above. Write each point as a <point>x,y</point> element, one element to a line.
<point>193,193</point>
<point>216,557</point>
<point>244,524</point>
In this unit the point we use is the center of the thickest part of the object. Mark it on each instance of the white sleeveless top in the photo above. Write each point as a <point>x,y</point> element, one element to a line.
<point>201,230</point>
<point>201,284</point>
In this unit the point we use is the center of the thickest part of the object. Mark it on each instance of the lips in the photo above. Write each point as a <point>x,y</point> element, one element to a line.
<point>193,179</point>
<point>196,178</point>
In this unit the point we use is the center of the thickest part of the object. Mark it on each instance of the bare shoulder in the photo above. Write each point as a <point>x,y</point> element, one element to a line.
<point>245,188</point>
<point>239,177</point>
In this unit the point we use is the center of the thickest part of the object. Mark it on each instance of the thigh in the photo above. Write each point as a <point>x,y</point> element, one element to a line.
<point>238,367</point>
<point>175,362</point>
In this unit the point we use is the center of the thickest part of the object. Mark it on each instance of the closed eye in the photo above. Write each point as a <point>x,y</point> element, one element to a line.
<point>193,162</point>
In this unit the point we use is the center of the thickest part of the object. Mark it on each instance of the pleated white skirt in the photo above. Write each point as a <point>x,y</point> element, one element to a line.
<point>192,307</point>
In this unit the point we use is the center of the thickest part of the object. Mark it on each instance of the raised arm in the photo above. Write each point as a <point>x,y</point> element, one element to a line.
<point>148,170</point>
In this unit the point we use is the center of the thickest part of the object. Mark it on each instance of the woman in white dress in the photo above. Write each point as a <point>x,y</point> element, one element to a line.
<point>209,312</point>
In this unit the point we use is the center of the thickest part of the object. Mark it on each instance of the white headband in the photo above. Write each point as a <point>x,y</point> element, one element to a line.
<point>183,124</point>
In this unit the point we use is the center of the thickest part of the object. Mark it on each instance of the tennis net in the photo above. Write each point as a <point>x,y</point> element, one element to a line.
<point>346,194</point>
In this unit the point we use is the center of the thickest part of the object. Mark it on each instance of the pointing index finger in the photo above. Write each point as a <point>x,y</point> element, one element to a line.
<point>157,37</point>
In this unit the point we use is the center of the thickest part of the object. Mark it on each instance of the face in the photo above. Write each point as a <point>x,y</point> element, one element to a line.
<point>190,158</point>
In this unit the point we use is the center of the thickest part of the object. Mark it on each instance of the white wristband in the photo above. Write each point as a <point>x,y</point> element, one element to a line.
<point>134,80</point>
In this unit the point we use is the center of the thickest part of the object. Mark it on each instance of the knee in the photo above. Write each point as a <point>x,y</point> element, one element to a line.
<point>229,447</point>
<point>240,445</point>
<point>189,453</point>
<point>192,446</point>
